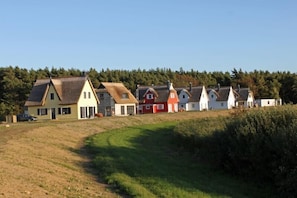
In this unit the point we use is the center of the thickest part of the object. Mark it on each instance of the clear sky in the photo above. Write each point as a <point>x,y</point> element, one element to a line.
<point>208,35</point>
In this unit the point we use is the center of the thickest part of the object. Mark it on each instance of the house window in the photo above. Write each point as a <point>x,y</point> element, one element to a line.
<point>85,94</point>
<point>91,112</point>
<point>172,95</point>
<point>160,106</point>
<point>122,110</point>
<point>101,96</point>
<point>147,107</point>
<point>149,96</point>
<point>193,105</point>
<point>66,110</point>
<point>130,110</point>
<point>89,94</point>
<point>83,112</point>
<point>184,96</point>
<point>52,96</point>
<point>42,111</point>
<point>125,96</point>
<point>211,96</point>
<point>222,104</point>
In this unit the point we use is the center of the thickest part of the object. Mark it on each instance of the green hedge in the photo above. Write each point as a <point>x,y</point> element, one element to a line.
<point>261,144</point>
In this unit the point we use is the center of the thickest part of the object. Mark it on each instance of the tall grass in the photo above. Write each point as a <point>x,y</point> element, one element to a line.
<point>144,162</point>
<point>259,144</point>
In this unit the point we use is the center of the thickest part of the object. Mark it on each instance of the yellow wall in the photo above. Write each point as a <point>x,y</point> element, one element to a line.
<point>75,108</point>
<point>87,102</point>
<point>49,104</point>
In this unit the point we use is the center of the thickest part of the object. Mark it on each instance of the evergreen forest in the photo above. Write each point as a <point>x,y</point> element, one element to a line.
<point>16,82</point>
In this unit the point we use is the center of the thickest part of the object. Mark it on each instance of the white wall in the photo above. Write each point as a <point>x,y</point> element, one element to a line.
<point>266,102</point>
<point>86,102</point>
<point>183,101</point>
<point>118,107</point>
<point>214,104</point>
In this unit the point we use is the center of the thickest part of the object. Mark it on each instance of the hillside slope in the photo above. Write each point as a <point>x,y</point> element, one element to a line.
<point>45,158</point>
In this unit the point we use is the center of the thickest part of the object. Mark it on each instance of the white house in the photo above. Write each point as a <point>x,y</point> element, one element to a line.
<point>221,98</point>
<point>244,98</point>
<point>193,99</point>
<point>268,102</point>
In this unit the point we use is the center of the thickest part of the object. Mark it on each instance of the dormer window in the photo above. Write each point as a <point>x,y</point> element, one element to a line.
<point>125,96</point>
<point>149,96</point>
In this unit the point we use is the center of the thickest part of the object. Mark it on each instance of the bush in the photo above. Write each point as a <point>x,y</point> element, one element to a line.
<point>260,144</point>
<point>197,135</point>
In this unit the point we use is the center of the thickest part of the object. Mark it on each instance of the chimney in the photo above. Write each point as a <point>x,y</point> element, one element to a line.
<point>190,86</point>
<point>238,86</point>
<point>168,84</point>
<point>137,92</point>
<point>219,86</point>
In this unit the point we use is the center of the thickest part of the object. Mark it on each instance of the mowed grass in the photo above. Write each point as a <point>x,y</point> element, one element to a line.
<point>142,161</point>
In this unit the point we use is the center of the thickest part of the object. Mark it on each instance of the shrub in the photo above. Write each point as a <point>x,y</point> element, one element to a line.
<point>260,144</point>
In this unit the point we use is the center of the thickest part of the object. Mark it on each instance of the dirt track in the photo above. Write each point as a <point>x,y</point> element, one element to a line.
<point>45,159</point>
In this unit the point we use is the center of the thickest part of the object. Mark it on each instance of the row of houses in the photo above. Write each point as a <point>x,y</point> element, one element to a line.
<point>75,97</point>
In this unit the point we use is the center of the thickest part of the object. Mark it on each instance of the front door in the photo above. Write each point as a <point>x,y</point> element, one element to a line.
<point>53,113</point>
<point>169,108</point>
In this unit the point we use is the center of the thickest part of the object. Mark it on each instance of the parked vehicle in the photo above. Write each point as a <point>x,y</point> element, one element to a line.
<point>26,117</point>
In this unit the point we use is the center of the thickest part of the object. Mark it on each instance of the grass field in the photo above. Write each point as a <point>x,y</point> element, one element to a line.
<point>144,162</point>
<point>48,159</point>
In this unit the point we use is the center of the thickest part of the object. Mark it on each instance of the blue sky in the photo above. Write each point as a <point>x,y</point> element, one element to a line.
<point>209,35</point>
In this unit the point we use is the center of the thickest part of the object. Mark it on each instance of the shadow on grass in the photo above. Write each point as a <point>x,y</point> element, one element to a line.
<point>148,157</point>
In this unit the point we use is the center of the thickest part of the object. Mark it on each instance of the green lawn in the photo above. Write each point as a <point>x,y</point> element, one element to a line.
<point>142,161</point>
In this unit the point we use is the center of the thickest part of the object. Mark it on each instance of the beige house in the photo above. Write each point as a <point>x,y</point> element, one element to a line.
<point>116,100</point>
<point>62,98</point>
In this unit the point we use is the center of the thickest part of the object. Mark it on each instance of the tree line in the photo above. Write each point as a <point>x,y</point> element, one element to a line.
<point>16,83</point>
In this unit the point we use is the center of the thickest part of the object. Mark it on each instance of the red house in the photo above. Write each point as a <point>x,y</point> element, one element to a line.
<point>156,99</point>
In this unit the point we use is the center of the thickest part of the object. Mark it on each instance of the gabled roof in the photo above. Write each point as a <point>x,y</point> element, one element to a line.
<point>116,90</point>
<point>196,93</point>
<point>68,90</point>
<point>161,92</point>
<point>222,93</point>
<point>179,90</point>
<point>243,94</point>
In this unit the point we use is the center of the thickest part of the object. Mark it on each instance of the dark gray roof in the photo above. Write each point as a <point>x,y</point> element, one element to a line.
<point>161,92</point>
<point>222,93</point>
<point>243,94</point>
<point>196,93</point>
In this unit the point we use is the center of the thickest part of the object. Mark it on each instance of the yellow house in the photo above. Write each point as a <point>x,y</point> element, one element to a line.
<point>62,98</point>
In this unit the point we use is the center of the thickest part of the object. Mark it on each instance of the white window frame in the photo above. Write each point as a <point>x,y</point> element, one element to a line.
<point>149,96</point>
<point>160,106</point>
